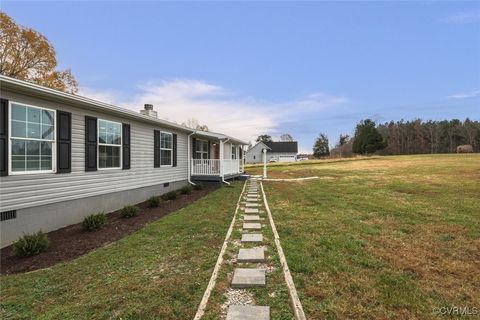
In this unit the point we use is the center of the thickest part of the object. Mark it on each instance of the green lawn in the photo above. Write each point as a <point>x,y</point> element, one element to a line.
<point>381,237</point>
<point>159,272</point>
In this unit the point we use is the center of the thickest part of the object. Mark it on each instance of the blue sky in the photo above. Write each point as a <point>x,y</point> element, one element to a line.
<point>247,68</point>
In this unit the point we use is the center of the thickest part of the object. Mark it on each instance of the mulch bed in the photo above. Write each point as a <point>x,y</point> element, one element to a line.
<point>72,241</point>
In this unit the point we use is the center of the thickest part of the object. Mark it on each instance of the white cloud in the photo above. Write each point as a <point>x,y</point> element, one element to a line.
<point>463,95</point>
<point>220,109</point>
<point>464,17</point>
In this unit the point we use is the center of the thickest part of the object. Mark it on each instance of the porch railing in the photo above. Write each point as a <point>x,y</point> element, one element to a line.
<point>213,167</point>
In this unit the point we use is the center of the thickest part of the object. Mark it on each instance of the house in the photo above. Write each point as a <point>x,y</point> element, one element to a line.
<point>63,157</point>
<point>281,151</point>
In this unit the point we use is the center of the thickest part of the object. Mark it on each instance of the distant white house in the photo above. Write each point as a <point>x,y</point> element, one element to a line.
<point>282,151</point>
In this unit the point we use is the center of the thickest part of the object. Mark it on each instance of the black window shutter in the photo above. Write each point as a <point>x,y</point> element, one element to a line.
<point>91,142</point>
<point>194,148</point>
<point>209,147</point>
<point>4,137</point>
<point>156,148</point>
<point>64,142</point>
<point>126,146</point>
<point>174,161</point>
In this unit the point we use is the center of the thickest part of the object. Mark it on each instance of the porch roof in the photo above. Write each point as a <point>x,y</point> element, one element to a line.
<point>219,136</point>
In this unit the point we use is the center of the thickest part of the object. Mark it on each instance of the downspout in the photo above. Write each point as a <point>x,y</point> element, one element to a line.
<point>189,150</point>
<point>223,171</point>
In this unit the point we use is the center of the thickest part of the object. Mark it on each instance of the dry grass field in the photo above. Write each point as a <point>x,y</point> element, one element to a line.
<point>381,237</point>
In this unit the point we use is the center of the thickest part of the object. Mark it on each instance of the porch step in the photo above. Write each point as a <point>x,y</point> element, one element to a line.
<point>246,277</point>
<point>252,226</point>
<point>251,217</point>
<point>251,210</point>
<point>252,237</point>
<point>251,255</point>
<point>236,312</point>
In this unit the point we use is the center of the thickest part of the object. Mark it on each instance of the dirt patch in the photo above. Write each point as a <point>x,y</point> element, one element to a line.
<point>71,242</point>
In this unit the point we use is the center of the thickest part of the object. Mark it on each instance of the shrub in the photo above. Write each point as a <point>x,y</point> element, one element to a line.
<point>94,221</point>
<point>129,211</point>
<point>186,190</point>
<point>31,244</point>
<point>153,201</point>
<point>172,195</point>
<point>198,187</point>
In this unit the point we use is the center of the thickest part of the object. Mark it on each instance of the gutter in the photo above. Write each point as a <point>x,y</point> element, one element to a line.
<point>189,150</point>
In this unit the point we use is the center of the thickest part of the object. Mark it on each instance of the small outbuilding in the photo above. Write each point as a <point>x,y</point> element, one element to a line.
<point>281,151</point>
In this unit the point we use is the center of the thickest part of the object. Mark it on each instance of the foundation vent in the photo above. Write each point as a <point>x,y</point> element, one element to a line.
<point>8,215</point>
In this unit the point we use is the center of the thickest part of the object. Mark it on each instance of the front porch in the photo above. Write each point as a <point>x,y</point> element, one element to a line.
<point>215,157</point>
<point>212,169</point>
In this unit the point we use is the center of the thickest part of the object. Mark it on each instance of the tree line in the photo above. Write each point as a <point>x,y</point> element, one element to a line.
<point>404,137</point>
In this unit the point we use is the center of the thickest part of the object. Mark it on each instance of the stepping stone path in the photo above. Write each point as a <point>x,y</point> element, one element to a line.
<point>249,217</point>
<point>252,237</point>
<point>248,313</point>
<point>247,277</point>
<point>252,226</point>
<point>251,255</point>
<point>250,277</point>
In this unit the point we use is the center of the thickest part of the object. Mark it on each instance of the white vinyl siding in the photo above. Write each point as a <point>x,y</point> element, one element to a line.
<point>23,191</point>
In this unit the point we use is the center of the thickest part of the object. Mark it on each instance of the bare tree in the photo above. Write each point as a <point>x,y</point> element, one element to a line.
<point>194,124</point>
<point>286,137</point>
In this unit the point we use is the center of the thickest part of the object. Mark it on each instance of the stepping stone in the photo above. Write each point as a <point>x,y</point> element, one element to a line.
<point>248,313</point>
<point>246,277</point>
<point>251,205</point>
<point>252,237</point>
<point>252,199</point>
<point>251,255</point>
<point>251,210</point>
<point>248,217</point>
<point>252,226</point>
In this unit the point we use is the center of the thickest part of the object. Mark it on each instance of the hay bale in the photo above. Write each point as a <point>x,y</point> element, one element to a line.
<point>465,148</point>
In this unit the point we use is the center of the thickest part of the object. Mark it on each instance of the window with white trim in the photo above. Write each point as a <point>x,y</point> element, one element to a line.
<point>166,149</point>
<point>234,152</point>
<point>32,137</point>
<point>109,144</point>
<point>201,150</point>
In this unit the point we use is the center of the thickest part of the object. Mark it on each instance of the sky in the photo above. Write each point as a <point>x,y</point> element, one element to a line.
<point>250,68</point>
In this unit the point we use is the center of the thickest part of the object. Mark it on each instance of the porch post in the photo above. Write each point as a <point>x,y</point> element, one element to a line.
<point>264,163</point>
<point>221,158</point>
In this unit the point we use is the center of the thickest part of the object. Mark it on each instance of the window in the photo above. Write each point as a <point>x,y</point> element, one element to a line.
<point>166,147</point>
<point>234,152</point>
<point>32,135</point>
<point>201,150</point>
<point>109,144</point>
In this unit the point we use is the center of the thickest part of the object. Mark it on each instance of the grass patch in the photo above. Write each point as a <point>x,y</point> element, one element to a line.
<point>159,272</point>
<point>380,237</point>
